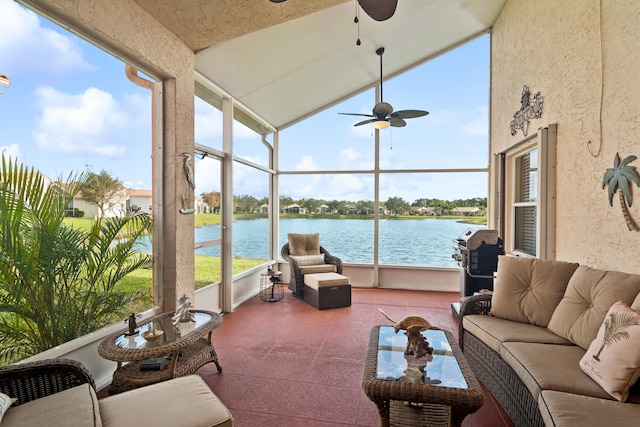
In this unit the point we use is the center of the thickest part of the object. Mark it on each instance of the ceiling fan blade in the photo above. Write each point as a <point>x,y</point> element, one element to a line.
<point>380,10</point>
<point>364,122</point>
<point>357,114</point>
<point>409,114</point>
<point>397,122</point>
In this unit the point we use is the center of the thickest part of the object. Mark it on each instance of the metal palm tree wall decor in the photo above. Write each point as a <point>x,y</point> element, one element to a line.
<point>617,178</point>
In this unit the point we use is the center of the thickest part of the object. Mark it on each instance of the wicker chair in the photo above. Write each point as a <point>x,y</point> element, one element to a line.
<point>33,380</point>
<point>297,274</point>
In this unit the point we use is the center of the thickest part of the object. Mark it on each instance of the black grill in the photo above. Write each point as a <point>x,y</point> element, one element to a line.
<point>476,252</point>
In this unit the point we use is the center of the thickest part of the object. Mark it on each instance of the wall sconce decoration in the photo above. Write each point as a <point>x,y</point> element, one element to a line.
<point>529,109</point>
<point>618,178</point>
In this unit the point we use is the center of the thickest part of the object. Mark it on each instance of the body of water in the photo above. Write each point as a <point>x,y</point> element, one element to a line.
<point>424,242</point>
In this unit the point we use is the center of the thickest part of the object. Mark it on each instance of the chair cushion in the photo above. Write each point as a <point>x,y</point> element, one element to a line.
<point>528,290</point>
<point>184,401</point>
<point>613,358</point>
<point>76,406</point>
<point>5,403</point>
<point>304,244</point>
<point>588,297</point>
<point>309,259</point>
<point>320,268</point>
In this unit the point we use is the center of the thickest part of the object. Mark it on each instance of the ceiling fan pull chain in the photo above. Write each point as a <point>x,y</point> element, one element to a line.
<point>356,20</point>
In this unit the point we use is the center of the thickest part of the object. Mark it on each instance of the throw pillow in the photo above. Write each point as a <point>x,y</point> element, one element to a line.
<point>613,358</point>
<point>528,290</point>
<point>5,402</point>
<point>590,294</point>
<point>635,305</point>
<point>309,259</point>
<point>304,244</point>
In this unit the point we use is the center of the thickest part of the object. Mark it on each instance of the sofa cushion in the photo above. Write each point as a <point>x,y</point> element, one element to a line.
<point>304,244</point>
<point>570,410</point>
<point>309,259</point>
<point>185,401</point>
<point>635,305</point>
<point>493,331</point>
<point>529,289</point>
<point>613,358</point>
<point>550,367</point>
<point>76,406</point>
<point>589,296</point>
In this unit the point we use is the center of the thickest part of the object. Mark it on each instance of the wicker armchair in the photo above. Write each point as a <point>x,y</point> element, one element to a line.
<point>297,274</point>
<point>33,380</point>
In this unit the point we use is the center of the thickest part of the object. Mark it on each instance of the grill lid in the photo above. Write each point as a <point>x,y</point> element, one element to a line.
<point>471,238</point>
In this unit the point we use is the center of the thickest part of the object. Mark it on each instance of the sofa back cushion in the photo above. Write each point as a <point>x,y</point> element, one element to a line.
<point>304,244</point>
<point>528,290</point>
<point>589,296</point>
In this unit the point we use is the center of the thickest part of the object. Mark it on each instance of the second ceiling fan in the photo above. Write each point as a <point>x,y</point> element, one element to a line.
<point>383,115</point>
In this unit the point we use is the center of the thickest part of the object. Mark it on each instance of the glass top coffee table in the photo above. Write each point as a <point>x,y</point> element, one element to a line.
<point>442,381</point>
<point>181,349</point>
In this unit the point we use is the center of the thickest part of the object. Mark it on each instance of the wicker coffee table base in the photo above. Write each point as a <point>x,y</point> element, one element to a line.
<point>389,395</point>
<point>130,376</point>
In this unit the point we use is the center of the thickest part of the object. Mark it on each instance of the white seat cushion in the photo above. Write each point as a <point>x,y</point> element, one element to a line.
<point>322,280</point>
<point>77,406</point>
<point>184,401</point>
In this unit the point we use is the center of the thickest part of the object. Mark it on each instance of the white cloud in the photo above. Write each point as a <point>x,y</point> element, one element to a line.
<point>11,151</point>
<point>208,125</point>
<point>306,164</point>
<point>349,154</point>
<point>84,123</point>
<point>25,45</point>
<point>478,126</point>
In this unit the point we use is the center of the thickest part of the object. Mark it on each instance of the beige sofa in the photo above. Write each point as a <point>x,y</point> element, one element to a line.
<point>61,392</point>
<point>533,341</point>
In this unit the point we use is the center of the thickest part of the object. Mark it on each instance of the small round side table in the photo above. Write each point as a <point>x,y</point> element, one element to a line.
<point>271,286</point>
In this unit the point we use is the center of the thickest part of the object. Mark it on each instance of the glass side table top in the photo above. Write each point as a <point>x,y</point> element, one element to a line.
<point>439,369</point>
<point>165,324</point>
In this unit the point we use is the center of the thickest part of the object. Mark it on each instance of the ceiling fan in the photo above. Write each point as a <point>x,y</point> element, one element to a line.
<point>383,115</point>
<point>380,10</point>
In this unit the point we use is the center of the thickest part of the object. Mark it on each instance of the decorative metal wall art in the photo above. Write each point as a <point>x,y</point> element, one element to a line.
<point>618,178</point>
<point>529,109</point>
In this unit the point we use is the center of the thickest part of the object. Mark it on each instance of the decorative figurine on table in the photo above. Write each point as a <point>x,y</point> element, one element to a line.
<point>133,326</point>
<point>182,313</point>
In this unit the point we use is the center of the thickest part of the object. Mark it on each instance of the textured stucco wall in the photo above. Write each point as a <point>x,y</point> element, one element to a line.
<point>125,29</point>
<point>583,57</point>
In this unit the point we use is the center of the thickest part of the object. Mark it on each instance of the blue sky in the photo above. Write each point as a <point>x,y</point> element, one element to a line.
<point>70,106</point>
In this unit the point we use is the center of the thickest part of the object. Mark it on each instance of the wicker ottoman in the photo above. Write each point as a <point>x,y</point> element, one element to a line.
<point>327,290</point>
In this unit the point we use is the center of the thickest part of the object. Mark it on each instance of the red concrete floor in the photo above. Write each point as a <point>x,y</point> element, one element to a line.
<point>288,364</point>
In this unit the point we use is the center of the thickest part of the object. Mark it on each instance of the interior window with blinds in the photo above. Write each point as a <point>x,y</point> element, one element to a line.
<point>526,203</point>
<point>525,194</point>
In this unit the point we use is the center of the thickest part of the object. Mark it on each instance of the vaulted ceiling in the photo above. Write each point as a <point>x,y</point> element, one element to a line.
<point>286,61</point>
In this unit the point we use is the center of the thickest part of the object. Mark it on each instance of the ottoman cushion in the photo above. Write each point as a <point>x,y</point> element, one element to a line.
<point>321,280</point>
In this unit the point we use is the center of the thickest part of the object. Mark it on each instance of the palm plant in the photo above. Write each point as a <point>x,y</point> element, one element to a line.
<point>613,329</point>
<point>57,282</point>
<point>618,177</point>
